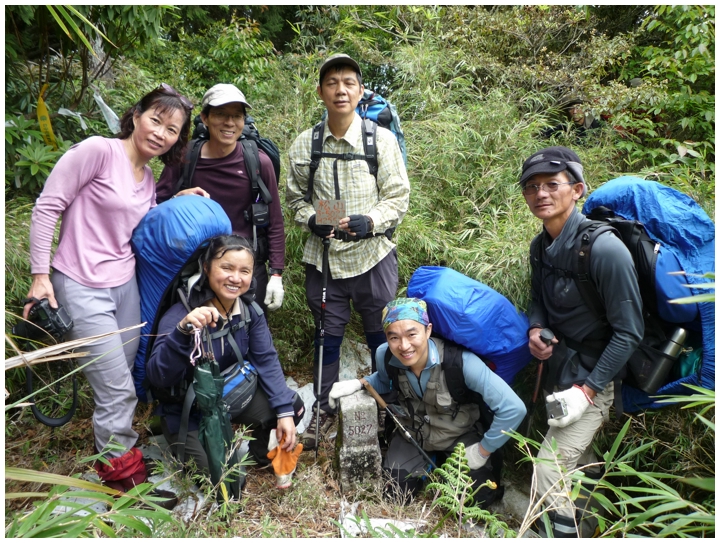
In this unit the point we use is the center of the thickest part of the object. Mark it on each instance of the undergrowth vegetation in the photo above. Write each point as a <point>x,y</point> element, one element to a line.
<point>474,87</point>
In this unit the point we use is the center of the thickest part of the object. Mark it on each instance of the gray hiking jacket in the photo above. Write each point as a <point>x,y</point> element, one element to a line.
<point>558,305</point>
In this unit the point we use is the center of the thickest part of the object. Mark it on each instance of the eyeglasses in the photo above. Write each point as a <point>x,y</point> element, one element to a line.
<point>167,89</point>
<point>552,186</point>
<point>236,117</point>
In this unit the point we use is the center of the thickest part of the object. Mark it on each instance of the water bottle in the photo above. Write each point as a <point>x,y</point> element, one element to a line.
<point>670,352</point>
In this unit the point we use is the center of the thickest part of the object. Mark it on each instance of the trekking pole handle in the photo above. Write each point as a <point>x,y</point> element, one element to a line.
<point>371,390</point>
<point>546,336</point>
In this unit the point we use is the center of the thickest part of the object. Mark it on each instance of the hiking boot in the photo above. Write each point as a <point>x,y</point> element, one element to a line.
<point>308,436</point>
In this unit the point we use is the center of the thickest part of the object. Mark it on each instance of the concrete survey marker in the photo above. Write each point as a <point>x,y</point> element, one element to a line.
<point>357,451</point>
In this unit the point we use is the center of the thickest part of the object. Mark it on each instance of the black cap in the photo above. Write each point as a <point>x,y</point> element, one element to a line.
<point>338,59</point>
<point>553,160</point>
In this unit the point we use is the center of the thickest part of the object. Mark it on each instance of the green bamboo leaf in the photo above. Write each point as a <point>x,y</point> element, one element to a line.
<point>705,483</point>
<point>75,28</point>
<point>654,512</point>
<point>16,495</point>
<point>121,517</point>
<point>84,19</point>
<point>700,298</point>
<point>104,527</point>
<point>58,20</point>
<point>32,476</point>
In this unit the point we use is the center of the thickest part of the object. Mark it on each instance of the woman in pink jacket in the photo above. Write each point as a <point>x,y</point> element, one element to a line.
<point>102,187</point>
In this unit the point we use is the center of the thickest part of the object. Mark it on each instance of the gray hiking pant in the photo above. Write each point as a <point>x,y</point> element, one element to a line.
<point>96,311</point>
<point>574,443</point>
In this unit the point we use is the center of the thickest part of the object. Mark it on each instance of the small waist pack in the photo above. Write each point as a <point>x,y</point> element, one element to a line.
<point>240,384</point>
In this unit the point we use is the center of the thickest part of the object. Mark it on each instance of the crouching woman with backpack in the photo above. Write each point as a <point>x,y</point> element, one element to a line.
<point>443,389</point>
<point>220,297</point>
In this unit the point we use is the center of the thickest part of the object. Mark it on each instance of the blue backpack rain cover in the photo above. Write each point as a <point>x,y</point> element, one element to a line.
<point>162,242</point>
<point>687,238</point>
<point>374,107</point>
<point>475,316</point>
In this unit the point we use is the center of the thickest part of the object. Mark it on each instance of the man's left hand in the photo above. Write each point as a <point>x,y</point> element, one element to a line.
<point>357,226</point>
<point>576,401</point>
<point>275,293</point>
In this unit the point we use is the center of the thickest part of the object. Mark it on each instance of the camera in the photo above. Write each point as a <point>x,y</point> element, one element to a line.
<point>556,409</point>
<point>44,320</point>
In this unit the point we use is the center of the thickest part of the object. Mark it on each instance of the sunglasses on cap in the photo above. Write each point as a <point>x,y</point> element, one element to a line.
<point>167,89</point>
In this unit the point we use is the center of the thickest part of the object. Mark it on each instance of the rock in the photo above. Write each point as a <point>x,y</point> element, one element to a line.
<point>354,360</point>
<point>357,450</point>
<point>514,504</point>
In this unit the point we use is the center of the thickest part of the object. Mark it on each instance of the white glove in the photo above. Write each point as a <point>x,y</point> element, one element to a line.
<point>475,459</point>
<point>343,388</point>
<point>273,442</point>
<point>576,402</point>
<point>275,293</point>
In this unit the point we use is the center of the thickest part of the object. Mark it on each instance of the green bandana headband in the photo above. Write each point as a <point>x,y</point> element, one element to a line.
<point>400,309</point>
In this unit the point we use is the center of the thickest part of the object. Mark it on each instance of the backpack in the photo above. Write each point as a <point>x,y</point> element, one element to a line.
<point>166,239</point>
<point>633,210</point>
<point>374,110</point>
<point>475,316</point>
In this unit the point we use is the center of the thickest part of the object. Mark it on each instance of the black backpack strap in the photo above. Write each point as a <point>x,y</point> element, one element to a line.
<point>251,154</point>
<point>590,295</point>
<point>392,371</point>
<point>191,158</point>
<point>452,366</point>
<point>318,134</point>
<point>370,146</point>
<point>184,423</point>
<point>316,154</point>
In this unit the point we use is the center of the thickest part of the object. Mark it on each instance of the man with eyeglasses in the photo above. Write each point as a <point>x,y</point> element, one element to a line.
<point>580,384</point>
<point>222,174</point>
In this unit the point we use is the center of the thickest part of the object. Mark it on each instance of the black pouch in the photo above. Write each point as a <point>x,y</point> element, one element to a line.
<point>260,214</point>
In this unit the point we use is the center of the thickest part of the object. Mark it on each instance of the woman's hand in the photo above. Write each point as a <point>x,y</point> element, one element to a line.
<point>200,317</point>
<point>286,430</point>
<point>41,288</point>
<point>194,190</point>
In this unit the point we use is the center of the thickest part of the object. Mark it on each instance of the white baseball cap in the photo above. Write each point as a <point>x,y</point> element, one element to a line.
<point>223,93</point>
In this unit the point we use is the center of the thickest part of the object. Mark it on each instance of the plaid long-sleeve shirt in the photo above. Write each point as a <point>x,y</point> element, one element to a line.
<point>385,201</point>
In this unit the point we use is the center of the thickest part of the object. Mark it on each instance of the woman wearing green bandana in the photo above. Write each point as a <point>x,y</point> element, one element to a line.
<point>418,369</point>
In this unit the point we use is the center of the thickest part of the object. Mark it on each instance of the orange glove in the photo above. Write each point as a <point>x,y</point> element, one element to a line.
<point>284,464</point>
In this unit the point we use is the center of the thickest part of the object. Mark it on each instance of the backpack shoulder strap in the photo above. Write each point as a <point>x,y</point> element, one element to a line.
<point>191,158</point>
<point>392,371</point>
<point>452,365</point>
<point>318,134</point>
<point>370,146</point>
<point>251,154</point>
<point>590,295</point>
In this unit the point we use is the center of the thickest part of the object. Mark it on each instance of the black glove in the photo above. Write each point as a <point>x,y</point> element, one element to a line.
<point>359,225</point>
<point>320,230</point>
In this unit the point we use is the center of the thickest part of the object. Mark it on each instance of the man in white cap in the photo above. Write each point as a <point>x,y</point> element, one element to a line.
<point>362,258</point>
<point>589,351</point>
<point>221,171</point>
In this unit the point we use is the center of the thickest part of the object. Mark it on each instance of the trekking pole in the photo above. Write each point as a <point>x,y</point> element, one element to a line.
<point>402,428</point>
<point>321,340</point>
<point>546,335</point>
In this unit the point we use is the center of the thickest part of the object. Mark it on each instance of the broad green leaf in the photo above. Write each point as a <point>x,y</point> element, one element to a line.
<point>703,483</point>
<point>126,520</point>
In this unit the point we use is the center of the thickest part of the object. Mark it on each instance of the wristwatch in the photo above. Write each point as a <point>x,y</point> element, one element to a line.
<point>276,271</point>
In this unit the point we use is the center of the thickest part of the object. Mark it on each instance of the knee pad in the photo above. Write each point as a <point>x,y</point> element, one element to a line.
<point>331,348</point>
